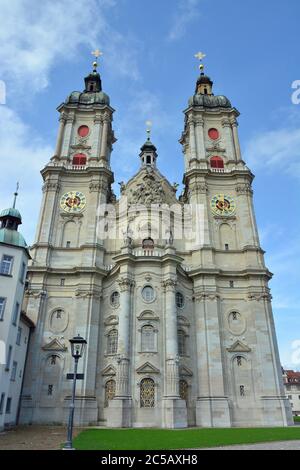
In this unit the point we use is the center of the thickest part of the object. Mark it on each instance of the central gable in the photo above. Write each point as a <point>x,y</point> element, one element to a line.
<point>148,187</point>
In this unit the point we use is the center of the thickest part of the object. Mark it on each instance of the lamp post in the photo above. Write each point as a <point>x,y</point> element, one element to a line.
<point>77,348</point>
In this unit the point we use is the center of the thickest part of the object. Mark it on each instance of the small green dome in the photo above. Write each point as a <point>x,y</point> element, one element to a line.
<point>11,212</point>
<point>12,237</point>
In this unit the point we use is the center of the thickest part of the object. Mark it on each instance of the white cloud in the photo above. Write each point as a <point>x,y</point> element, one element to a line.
<point>275,150</point>
<point>187,12</point>
<point>35,35</point>
<point>22,155</point>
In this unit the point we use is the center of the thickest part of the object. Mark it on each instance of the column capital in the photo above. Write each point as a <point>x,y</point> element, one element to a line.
<point>126,284</point>
<point>244,188</point>
<point>51,186</point>
<point>204,295</point>
<point>169,285</point>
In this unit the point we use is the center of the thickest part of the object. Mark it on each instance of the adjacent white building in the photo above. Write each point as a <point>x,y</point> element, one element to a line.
<point>15,327</point>
<point>179,326</point>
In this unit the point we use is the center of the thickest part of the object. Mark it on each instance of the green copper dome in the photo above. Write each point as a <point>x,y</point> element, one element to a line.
<point>88,98</point>
<point>12,237</point>
<point>11,212</point>
<point>209,101</point>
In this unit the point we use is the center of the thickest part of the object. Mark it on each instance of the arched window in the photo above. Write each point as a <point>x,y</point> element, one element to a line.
<point>112,342</point>
<point>148,338</point>
<point>148,244</point>
<point>181,343</point>
<point>148,160</point>
<point>183,390</point>
<point>216,162</point>
<point>179,300</point>
<point>147,393</point>
<point>110,391</point>
<point>79,159</point>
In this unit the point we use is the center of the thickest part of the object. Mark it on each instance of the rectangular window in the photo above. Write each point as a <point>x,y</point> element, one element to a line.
<point>62,282</point>
<point>23,273</point>
<point>2,307</point>
<point>231,284</point>
<point>14,371</point>
<point>7,367</point>
<point>19,335</point>
<point>2,403</point>
<point>6,265</point>
<point>68,244</point>
<point>226,247</point>
<point>8,405</point>
<point>289,397</point>
<point>16,314</point>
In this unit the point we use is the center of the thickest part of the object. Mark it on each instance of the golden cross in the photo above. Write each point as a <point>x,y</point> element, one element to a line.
<point>97,53</point>
<point>200,56</point>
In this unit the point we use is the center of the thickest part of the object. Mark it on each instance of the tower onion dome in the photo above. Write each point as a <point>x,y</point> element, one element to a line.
<point>10,219</point>
<point>92,93</point>
<point>148,146</point>
<point>204,97</point>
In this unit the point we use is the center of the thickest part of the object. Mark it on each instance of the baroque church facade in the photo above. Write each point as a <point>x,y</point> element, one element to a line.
<point>179,330</point>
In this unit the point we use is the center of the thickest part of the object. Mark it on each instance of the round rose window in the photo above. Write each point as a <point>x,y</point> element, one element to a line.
<point>213,133</point>
<point>83,131</point>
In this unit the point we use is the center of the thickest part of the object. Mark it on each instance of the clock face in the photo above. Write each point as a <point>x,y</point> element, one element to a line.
<point>73,201</point>
<point>222,204</point>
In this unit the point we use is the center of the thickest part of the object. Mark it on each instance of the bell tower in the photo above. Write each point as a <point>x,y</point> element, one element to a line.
<point>239,375</point>
<point>65,276</point>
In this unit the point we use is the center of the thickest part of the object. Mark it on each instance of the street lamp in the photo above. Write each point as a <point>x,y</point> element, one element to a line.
<point>77,348</point>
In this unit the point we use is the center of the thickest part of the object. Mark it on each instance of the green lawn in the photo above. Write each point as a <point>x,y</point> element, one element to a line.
<point>156,439</point>
<point>296,419</point>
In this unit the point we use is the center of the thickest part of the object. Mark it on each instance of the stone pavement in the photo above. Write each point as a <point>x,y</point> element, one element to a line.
<point>34,438</point>
<point>279,445</point>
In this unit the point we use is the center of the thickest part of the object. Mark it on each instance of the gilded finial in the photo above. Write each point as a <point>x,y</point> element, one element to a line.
<point>148,129</point>
<point>97,53</point>
<point>16,195</point>
<point>200,56</point>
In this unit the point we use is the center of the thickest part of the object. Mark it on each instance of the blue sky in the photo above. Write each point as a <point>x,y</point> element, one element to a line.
<point>149,71</point>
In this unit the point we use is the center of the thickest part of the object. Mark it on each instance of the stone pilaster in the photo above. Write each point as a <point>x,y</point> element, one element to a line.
<point>175,413</point>
<point>212,408</point>
<point>120,414</point>
<point>201,154</point>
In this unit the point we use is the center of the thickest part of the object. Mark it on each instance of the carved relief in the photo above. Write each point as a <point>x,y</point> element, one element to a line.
<point>150,191</point>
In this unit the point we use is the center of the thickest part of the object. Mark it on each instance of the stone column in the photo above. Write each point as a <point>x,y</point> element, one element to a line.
<point>62,122</point>
<point>201,154</point>
<point>212,409</point>
<point>120,407</point>
<point>175,413</point>
<point>236,141</point>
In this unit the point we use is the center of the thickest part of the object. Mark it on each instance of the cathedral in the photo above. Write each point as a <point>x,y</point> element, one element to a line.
<point>170,291</point>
